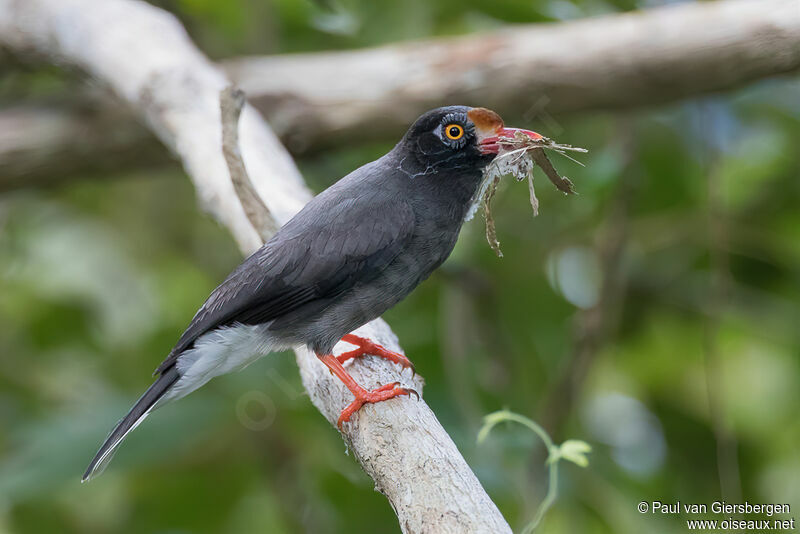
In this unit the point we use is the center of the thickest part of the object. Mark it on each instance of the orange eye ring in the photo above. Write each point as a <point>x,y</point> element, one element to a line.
<point>454,131</point>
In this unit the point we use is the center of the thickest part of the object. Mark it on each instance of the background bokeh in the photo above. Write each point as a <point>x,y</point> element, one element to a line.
<point>654,316</point>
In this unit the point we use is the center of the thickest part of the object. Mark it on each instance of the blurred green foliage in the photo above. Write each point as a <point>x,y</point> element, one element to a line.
<point>693,346</point>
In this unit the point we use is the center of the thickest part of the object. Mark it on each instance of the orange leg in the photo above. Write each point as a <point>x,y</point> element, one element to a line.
<point>366,346</point>
<point>362,395</point>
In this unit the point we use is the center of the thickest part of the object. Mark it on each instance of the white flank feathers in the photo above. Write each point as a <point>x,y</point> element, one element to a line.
<point>221,351</point>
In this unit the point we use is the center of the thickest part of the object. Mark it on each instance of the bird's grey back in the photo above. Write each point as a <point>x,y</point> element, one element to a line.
<point>352,252</point>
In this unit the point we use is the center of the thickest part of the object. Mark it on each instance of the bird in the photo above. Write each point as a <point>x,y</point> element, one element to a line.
<point>351,253</point>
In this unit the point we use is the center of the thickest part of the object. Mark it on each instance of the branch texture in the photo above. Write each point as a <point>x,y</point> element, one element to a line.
<point>145,56</point>
<point>320,100</point>
<point>616,61</point>
<point>231,103</point>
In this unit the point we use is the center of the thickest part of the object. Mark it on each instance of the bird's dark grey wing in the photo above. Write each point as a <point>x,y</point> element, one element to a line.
<point>333,242</point>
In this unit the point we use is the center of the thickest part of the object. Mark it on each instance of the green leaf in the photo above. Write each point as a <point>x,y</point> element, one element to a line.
<point>573,450</point>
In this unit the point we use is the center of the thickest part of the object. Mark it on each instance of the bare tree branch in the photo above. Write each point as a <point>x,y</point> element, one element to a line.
<point>322,100</point>
<point>615,61</point>
<point>231,103</point>
<point>145,55</point>
<point>49,145</point>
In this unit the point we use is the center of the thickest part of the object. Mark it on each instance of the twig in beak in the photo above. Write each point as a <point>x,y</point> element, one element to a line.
<point>491,233</point>
<point>562,183</point>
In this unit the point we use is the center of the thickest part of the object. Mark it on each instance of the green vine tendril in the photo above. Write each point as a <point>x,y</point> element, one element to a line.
<point>572,450</point>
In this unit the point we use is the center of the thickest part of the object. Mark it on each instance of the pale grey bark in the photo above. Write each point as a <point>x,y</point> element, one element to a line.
<point>323,100</point>
<point>615,61</point>
<point>231,104</point>
<point>145,56</point>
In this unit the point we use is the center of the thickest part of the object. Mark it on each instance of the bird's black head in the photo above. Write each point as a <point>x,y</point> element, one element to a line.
<point>453,138</point>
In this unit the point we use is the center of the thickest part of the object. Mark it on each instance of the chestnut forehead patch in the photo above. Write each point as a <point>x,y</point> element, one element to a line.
<point>485,120</point>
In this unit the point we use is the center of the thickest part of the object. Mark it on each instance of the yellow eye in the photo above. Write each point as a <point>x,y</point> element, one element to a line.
<point>454,131</point>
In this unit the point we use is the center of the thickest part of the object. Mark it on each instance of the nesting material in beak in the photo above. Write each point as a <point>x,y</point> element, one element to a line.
<point>518,151</point>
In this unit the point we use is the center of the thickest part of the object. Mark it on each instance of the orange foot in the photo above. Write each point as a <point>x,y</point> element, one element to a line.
<point>366,346</point>
<point>363,396</point>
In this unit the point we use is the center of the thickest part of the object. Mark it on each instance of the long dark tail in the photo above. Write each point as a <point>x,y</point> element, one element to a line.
<point>135,416</point>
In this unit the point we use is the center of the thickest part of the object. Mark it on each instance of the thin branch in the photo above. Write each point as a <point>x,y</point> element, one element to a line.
<point>166,80</point>
<point>232,101</point>
<point>718,298</point>
<point>321,100</point>
<point>594,325</point>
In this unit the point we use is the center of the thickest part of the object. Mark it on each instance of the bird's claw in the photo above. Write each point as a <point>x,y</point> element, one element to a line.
<point>385,392</point>
<point>366,346</point>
